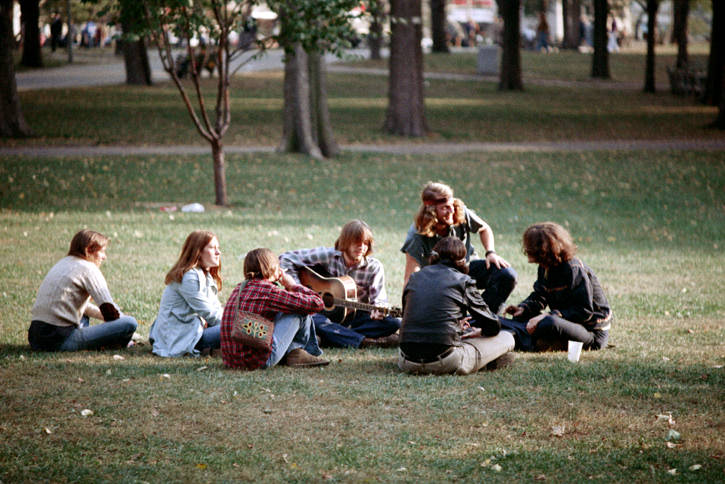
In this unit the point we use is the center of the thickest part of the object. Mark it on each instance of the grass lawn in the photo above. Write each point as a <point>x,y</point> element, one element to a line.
<point>651,224</point>
<point>456,111</point>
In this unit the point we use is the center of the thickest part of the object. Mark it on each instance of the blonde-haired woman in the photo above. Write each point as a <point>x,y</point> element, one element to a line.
<point>190,311</point>
<point>60,318</point>
<point>441,215</point>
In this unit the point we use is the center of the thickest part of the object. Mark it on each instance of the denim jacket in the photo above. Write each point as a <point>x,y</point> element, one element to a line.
<point>178,326</point>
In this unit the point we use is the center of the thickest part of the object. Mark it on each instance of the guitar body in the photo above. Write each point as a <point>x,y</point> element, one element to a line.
<point>331,289</point>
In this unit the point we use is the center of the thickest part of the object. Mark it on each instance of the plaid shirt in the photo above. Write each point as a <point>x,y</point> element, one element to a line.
<point>266,299</point>
<point>369,275</point>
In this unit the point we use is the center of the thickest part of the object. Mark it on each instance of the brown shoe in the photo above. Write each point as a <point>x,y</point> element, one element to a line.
<point>390,341</point>
<point>502,361</point>
<point>299,358</point>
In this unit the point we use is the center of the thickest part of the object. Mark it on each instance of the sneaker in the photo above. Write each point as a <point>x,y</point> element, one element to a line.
<point>502,361</point>
<point>299,358</point>
<point>390,341</point>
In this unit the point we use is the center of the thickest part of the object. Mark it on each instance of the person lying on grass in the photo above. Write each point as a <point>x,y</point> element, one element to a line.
<point>578,308</point>
<point>440,305</point>
<point>273,294</point>
<point>190,311</point>
<point>60,316</point>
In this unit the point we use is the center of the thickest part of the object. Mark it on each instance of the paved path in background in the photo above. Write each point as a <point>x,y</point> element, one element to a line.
<point>401,148</point>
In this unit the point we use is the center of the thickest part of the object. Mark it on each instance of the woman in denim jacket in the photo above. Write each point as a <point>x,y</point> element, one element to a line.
<point>190,311</point>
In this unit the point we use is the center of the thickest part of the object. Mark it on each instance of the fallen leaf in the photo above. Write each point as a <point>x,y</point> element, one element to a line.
<point>695,467</point>
<point>666,417</point>
<point>673,435</point>
<point>267,410</point>
<point>284,458</point>
<point>165,375</point>
<point>402,469</point>
<point>670,445</point>
<point>201,466</point>
<point>540,477</point>
<point>86,412</point>
<point>496,468</point>
<point>108,372</point>
<point>557,430</point>
<point>672,472</point>
<point>118,357</point>
<point>47,430</point>
<point>482,389</point>
<point>81,380</point>
<point>691,331</point>
<point>202,368</point>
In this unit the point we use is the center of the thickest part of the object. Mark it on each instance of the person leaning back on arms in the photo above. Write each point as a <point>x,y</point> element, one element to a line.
<point>62,310</point>
<point>447,327</point>
<point>441,215</point>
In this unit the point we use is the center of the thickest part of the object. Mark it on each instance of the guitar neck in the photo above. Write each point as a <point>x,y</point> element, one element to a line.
<point>346,303</point>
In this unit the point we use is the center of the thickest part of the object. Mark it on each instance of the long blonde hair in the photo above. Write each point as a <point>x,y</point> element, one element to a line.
<point>190,255</point>
<point>434,193</point>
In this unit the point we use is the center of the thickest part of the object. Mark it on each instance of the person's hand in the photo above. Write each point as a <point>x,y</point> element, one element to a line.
<point>204,324</point>
<point>376,314</point>
<point>473,333</point>
<point>286,280</point>
<point>514,311</point>
<point>496,260</point>
<point>533,322</point>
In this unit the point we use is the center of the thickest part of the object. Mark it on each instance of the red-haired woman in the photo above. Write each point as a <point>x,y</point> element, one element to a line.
<point>578,308</point>
<point>190,311</point>
<point>60,320</point>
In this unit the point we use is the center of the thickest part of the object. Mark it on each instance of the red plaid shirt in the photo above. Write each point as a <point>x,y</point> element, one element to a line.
<point>266,299</point>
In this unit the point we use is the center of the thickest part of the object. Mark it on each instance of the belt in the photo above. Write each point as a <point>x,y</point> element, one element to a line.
<point>429,359</point>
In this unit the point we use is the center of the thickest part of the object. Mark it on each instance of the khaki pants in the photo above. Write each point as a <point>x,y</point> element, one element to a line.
<point>471,356</point>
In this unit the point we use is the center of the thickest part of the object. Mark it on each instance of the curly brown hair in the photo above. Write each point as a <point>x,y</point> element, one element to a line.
<point>548,244</point>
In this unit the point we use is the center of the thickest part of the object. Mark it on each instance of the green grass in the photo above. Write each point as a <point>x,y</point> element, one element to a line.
<point>456,111</point>
<point>651,224</point>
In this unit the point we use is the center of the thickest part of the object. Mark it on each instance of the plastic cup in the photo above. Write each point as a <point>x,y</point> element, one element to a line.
<point>575,351</point>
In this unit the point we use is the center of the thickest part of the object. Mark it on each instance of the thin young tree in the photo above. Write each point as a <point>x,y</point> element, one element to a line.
<point>600,59</point>
<point>715,84</point>
<point>376,11</point>
<point>30,17</point>
<point>571,11</point>
<point>510,77</point>
<point>405,115</point>
<point>165,21</point>
<point>12,121</point>
<point>649,73</point>
<point>438,20</point>
<point>680,32</point>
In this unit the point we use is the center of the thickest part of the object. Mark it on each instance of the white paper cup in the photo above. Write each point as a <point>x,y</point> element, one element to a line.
<point>575,351</point>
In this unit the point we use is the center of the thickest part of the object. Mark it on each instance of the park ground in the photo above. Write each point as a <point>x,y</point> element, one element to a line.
<point>637,179</point>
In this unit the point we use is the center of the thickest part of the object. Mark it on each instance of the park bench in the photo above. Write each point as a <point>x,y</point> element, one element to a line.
<point>687,81</point>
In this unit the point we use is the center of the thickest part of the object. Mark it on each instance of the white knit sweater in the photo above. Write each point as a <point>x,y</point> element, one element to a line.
<point>65,292</point>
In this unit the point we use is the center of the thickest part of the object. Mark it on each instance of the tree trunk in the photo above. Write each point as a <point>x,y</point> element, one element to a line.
<point>572,19</point>
<point>30,18</point>
<point>405,115</point>
<point>220,177</point>
<point>716,62</point>
<point>12,121</point>
<point>649,73</point>
<point>375,36</point>
<point>510,79</point>
<point>600,59</point>
<point>438,25</point>
<point>135,57</point>
<point>679,31</point>
<point>319,111</point>
<point>297,136</point>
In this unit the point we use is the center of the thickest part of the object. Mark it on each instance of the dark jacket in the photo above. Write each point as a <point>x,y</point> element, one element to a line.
<point>434,301</point>
<point>572,291</point>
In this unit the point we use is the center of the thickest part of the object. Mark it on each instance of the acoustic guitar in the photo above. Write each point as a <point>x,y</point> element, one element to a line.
<point>339,295</point>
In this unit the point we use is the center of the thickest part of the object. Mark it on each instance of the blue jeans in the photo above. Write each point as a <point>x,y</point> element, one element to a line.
<point>211,338</point>
<point>111,334</point>
<point>361,326</point>
<point>496,283</point>
<point>292,331</point>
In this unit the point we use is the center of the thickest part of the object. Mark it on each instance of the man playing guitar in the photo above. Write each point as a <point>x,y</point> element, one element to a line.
<point>350,257</point>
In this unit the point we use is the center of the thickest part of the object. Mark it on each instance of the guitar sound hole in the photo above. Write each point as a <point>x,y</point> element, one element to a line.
<point>328,300</point>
